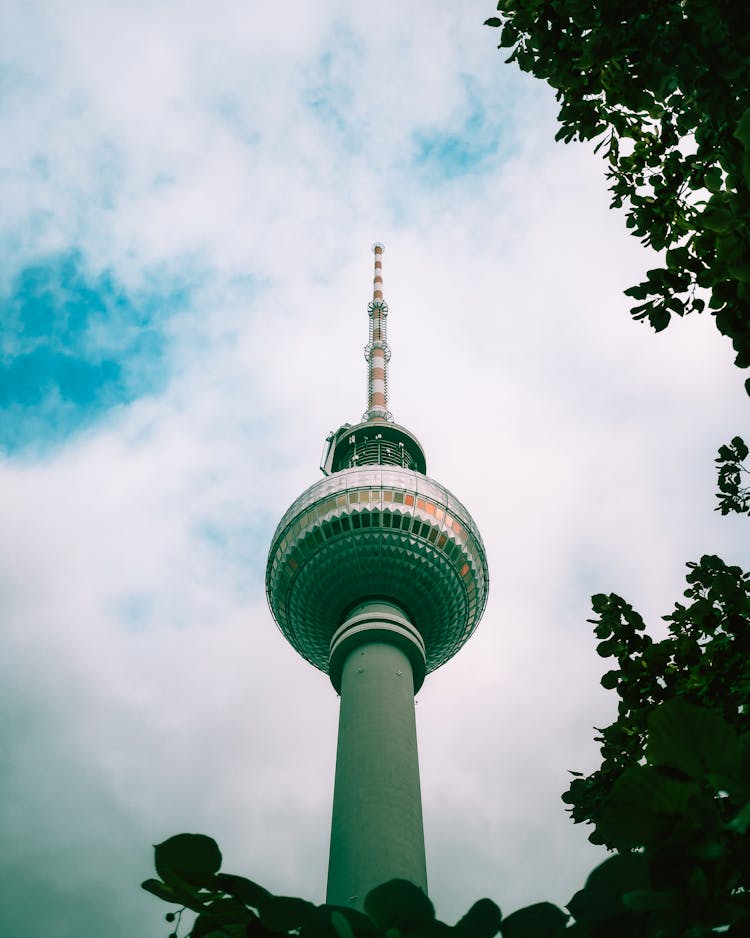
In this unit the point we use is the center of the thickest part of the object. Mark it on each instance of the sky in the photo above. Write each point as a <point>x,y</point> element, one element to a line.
<point>190,193</point>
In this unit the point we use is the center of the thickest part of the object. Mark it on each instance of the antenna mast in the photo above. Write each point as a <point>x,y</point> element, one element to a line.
<point>377,350</point>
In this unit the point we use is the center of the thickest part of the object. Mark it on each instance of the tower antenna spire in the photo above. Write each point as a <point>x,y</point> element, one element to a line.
<point>377,350</point>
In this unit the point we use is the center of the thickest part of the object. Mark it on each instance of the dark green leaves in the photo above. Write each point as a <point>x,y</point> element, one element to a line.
<point>222,916</point>
<point>285,913</point>
<point>229,905</point>
<point>713,179</point>
<point>742,131</point>
<point>542,920</point>
<point>243,889</point>
<point>481,921</point>
<point>601,899</point>
<point>663,87</point>
<point>193,856</point>
<point>187,864</point>
<point>644,805</point>
<point>610,680</point>
<point>693,741</point>
<point>733,495</point>
<point>159,889</point>
<point>399,904</point>
<point>674,783</point>
<point>705,659</point>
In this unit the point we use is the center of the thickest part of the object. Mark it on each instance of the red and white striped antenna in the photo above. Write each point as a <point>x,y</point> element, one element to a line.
<point>377,350</point>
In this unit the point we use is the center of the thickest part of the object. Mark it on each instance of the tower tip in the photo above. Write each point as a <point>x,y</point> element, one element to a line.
<point>378,247</point>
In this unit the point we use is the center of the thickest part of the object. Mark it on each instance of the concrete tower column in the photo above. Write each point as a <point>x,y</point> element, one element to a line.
<point>377,662</point>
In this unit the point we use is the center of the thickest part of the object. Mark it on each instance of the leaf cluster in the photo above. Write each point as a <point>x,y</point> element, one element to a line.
<point>663,88</point>
<point>679,820</point>
<point>705,659</point>
<point>732,495</point>
<point>228,905</point>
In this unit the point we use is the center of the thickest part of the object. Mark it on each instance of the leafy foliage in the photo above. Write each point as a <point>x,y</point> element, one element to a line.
<point>704,660</point>
<point>663,88</point>
<point>229,905</point>
<point>686,809</point>
<point>732,495</point>
<point>674,781</point>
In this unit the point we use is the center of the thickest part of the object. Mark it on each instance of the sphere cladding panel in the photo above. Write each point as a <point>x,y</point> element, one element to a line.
<point>377,532</point>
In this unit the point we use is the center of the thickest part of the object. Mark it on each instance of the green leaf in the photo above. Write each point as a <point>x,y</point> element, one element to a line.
<point>639,292</point>
<point>331,923</point>
<point>358,921</point>
<point>659,317</point>
<point>599,602</point>
<point>222,916</point>
<point>542,920</point>
<point>203,929</point>
<point>644,805</point>
<point>399,904</point>
<point>712,180</point>
<point>740,270</point>
<point>693,740</point>
<point>607,648</point>
<point>739,823</point>
<point>161,890</point>
<point>255,929</point>
<point>481,921</point>
<point>341,925</point>
<point>243,889</point>
<point>285,913</point>
<point>601,897</point>
<point>493,21</point>
<point>610,680</point>
<point>187,854</point>
<point>653,900</point>
<point>742,133</point>
<point>716,218</point>
<point>508,37</point>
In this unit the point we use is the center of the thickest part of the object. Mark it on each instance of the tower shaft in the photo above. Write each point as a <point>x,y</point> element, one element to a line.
<point>376,831</point>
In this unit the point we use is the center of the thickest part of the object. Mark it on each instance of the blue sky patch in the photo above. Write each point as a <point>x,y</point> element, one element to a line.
<point>241,543</point>
<point>462,149</point>
<point>136,611</point>
<point>73,345</point>
<point>330,92</point>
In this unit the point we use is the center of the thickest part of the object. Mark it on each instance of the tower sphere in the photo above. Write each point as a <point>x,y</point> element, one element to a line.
<point>377,532</point>
<point>377,529</point>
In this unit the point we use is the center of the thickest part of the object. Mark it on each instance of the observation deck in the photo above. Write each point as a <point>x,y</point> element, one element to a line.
<point>377,532</point>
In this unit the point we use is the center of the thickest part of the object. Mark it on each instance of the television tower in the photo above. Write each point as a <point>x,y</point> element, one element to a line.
<point>377,575</point>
